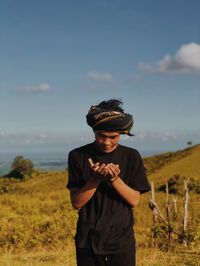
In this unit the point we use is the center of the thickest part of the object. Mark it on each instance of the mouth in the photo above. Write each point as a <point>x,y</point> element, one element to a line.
<point>106,147</point>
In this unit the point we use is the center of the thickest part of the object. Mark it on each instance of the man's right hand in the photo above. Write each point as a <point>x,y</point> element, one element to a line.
<point>99,170</point>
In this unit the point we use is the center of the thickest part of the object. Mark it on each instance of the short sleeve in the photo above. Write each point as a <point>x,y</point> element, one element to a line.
<point>138,180</point>
<point>74,172</point>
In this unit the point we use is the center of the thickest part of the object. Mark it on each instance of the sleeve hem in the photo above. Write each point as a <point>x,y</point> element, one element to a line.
<point>142,190</point>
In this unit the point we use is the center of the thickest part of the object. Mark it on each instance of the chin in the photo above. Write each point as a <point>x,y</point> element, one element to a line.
<point>108,149</point>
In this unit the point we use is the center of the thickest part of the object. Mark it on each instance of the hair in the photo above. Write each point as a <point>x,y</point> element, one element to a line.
<point>112,104</point>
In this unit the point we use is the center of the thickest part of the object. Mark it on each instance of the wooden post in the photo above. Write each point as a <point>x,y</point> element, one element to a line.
<point>153,201</point>
<point>175,205</point>
<point>153,205</point>
<point>168,212</point>
<point>186,198</point>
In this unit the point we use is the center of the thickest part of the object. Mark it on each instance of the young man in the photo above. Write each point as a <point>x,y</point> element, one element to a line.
<point>105,182</point>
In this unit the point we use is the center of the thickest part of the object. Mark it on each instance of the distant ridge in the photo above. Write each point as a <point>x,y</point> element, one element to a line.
<point>183,162</point>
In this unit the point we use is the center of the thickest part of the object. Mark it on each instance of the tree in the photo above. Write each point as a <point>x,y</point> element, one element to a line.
<point>21,168</point>
<point>189,143</point>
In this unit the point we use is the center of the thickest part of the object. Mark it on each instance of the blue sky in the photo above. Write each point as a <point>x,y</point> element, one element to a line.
<point>57,58</point>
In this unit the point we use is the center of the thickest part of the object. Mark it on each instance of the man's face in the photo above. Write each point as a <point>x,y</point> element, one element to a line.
<point>106,141</point>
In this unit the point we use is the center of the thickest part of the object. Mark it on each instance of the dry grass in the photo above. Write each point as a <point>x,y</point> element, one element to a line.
<point>187,166</point>
<point>66,257</point>
<point>38,222</point>
<point>155,257</point>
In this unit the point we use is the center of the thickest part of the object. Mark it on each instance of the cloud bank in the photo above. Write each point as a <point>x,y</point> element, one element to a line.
<point>99,80</point>
<point>43,87</point>
<point>185,60</point>
<point>99,77</point>
<point>44,141</point>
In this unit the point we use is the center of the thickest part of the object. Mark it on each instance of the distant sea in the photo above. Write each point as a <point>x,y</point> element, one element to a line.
<point>46,161</point>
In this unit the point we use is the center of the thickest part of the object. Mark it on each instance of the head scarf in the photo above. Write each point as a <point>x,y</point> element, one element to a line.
<point>109,120</point>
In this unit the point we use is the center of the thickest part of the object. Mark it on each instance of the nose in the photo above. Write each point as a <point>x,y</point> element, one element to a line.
<point>106,141</point>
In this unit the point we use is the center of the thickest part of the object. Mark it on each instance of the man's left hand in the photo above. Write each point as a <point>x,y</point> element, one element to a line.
<point>113,170</point>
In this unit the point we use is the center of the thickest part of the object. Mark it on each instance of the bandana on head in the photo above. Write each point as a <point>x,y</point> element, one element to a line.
<point>109,120</point>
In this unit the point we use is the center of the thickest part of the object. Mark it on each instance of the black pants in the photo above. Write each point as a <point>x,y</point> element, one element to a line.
<point>85,257</point>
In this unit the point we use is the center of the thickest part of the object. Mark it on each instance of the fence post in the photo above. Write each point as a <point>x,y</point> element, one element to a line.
<point>186,198</point>
<point>175,205</point>
<point>154,207</point>
<point>168,212</point>
<point>153,200</point>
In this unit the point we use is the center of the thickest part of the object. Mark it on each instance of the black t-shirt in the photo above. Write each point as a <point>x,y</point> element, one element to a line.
<point>105,223</point>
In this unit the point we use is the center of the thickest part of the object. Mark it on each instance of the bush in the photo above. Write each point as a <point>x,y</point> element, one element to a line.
<point>175,184</point>
<point>160,232</point>
<point>21,168</point>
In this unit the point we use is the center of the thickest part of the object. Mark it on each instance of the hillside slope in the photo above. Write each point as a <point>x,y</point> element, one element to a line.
<point>184,163</point>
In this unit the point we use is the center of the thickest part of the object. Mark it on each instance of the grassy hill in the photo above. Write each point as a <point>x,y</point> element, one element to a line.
<point>38,222</point>
<point>184,163</point>
<point>36,213</point>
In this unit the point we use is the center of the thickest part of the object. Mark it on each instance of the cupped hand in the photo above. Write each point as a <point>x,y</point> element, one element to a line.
<point>99,170</point>
<point>113,170</point>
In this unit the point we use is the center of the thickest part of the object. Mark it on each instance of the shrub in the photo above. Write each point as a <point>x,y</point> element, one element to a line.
<point>175,184</point>
<point>21,168</point>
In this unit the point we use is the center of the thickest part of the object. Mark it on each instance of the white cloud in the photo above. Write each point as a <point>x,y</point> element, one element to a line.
<point>93,86</point>
<point>99,80</point>
<point>44,87</point>
<point>22,138</point>
<point>185,60</point>
<point>157,136</point>
<point>37,138</point>
<point>136,77</point>
<point>65,141</point>
<point>167,136</point>
<point>3,134</point>
<point>99,77</point>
